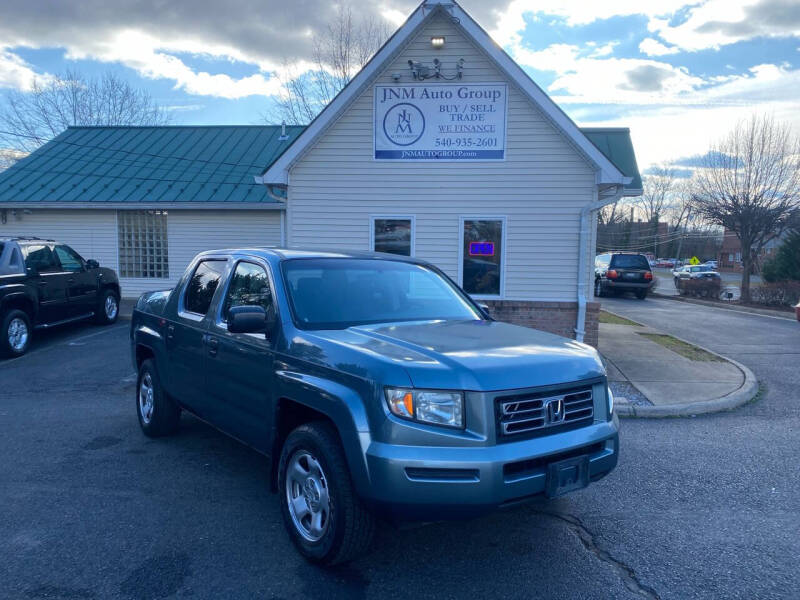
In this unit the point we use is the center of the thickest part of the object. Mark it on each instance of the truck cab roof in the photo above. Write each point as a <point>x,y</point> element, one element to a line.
<point>267,252</point>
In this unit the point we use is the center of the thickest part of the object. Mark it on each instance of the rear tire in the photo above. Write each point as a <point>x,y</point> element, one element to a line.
<point>641,294</point>
<point>15,333</point>
<point>598,288</point>
<point>323,515</point>
<point>158,414</point>
<point>107,310</point>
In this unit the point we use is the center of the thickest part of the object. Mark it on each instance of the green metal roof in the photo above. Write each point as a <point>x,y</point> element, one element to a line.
<point>152,165</point>
<point>616,144</point>
<point>149,165</point>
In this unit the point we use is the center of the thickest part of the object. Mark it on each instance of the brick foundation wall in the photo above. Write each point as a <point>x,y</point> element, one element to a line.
<point>555,317</point>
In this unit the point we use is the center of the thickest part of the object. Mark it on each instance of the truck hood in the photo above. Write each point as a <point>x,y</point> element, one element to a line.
<point>475,355</point>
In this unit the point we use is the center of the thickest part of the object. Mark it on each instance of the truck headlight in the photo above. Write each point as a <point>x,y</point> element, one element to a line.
<point>610,400</point>
<point>427,406</point>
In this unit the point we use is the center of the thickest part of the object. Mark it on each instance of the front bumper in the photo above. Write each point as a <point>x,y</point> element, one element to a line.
<point>435,483</point>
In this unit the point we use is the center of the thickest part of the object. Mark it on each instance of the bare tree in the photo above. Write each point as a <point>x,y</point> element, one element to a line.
<point>749,183</point>
<point>339,52</point>
<point>31,118</point>
<point>658,189</point>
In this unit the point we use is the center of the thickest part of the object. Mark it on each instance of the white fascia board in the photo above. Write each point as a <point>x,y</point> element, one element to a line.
<point>278,172</point>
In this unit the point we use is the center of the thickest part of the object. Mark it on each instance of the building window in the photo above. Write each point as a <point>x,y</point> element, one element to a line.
<point>394,235</point>
<point>482,264</point>
<point>143,244</point>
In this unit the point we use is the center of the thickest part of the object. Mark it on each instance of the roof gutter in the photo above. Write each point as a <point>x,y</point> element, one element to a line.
<point>616,192</point>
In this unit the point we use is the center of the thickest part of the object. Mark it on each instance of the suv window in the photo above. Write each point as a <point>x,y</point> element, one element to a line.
<point>40,258</point>
<point>69,259</point>
<point>202,286</point>
<point>249,287</point>
<point>630,261</point>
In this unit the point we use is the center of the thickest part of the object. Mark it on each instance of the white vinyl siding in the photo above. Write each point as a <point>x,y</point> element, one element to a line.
<point>540,188</point>
<point>93,233</point>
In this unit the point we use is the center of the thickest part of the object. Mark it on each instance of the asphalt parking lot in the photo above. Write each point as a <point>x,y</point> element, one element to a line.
<point>93,509</point>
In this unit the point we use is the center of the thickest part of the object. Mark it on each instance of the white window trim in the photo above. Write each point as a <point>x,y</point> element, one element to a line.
<point>503,265</point>
<point>412,218</point>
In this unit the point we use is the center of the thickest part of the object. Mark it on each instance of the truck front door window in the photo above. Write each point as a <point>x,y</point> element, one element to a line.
<point>249,287</point>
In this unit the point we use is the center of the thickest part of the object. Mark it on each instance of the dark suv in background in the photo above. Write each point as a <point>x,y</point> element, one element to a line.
<point>44,283</point>
<point>617,272</point>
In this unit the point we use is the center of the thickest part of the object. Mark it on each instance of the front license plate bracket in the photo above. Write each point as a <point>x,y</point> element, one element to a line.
<point>566,476</point>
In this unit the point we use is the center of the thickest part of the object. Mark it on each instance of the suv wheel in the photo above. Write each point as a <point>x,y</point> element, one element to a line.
<point>15,335</point>
<point>107,309</point>
<point>324,517</point>
<point>158,414</point>
<point>641,294</point>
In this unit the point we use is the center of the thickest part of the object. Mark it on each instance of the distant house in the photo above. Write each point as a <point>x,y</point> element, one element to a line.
<point>441,148</point>
<point>730,255</point>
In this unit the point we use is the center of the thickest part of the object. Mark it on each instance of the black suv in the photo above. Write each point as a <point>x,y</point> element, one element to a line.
<point>44,283</point>
<point>616,272</point>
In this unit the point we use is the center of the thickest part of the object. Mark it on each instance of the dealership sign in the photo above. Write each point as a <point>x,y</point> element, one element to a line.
<point>440,122</point>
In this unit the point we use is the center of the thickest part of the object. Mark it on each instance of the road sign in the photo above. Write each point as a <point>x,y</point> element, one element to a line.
<point>694,261</point>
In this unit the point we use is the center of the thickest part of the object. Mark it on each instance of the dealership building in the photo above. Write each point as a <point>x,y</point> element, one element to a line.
<point>440,148</point>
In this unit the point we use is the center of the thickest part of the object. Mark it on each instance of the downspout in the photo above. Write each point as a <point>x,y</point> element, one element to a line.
<point>282,200</point>
<point>583,245</point>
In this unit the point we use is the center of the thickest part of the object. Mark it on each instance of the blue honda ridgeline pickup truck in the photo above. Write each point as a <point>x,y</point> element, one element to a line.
<point>376,386</point>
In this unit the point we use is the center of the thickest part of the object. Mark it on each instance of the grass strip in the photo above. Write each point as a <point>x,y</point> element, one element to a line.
<point>607,317</point>
<point>679,347</point>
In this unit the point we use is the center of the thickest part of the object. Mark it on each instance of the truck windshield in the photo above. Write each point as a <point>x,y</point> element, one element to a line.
<point>334,293</point>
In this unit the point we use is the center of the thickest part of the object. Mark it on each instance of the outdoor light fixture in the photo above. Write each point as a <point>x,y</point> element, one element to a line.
<point>437,41</point>
<point>421,71</point>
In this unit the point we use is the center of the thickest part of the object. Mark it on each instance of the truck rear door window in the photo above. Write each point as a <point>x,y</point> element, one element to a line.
<point>202,286</point>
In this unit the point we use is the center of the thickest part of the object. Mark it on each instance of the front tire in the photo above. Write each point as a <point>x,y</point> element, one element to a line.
<point>15,334</point>
<point>107,310</point>
<point>158,414</point>
<point>323,515</point>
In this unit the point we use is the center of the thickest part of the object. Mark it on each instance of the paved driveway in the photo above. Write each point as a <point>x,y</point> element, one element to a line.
<point>701,508</point>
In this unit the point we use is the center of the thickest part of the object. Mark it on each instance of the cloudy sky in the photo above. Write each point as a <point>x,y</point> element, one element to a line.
<point>679,73</point>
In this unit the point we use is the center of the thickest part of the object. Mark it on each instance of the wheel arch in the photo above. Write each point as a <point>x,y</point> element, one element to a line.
<point>20,301</point>
<point>302,399</point>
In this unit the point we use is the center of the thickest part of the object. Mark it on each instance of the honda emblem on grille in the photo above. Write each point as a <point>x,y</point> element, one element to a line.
<point>555,411</point>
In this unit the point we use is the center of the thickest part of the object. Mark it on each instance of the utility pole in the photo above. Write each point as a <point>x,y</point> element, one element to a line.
<point>680,239</point>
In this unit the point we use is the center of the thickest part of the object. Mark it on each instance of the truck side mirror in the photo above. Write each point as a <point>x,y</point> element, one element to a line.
<point>249,319</point>
<point>485,309</point>
<point>92,264</point>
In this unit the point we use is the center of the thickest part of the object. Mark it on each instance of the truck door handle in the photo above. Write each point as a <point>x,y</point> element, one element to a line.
<point>70,280</point>
<point>213,344</point>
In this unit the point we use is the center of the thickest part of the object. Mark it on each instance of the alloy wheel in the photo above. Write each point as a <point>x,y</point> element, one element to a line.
<point>146,398</point>
<point>111,307</point>
<point>17,334</point>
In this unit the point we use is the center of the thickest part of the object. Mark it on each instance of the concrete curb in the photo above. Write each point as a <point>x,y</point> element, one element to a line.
<point>744,394</point>
<point>764,312</point>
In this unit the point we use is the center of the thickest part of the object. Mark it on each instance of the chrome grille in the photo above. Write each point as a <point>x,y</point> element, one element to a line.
<point>527,413</point>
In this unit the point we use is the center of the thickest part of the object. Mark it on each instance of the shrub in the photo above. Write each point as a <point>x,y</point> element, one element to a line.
<point>785,265</point>
<point>777,293</point>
